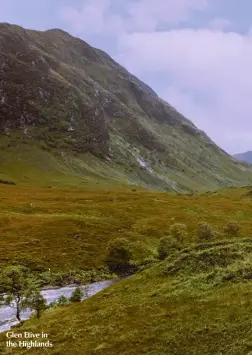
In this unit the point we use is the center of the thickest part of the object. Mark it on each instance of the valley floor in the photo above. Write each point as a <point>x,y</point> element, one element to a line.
<point>38,226</point>
<point>197,301</point>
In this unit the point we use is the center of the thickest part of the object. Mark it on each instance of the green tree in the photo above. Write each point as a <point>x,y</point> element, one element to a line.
<point>118,256</point>
<point>36,302</point>
<point>17,285</point>
<point>76,295</point>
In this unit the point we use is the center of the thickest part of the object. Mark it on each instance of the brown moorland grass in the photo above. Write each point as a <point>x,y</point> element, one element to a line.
<point>196,302</point>
<point>38,225</point>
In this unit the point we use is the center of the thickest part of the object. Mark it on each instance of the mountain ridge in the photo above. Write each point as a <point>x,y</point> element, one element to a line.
<point>245,157</point>
<point>64,97</point>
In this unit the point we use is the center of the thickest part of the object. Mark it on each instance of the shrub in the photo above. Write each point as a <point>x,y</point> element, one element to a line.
<point>6,182</point>
<point>118,256</point>
<point>62,301</point>
<point>166,244</point>
<point>52,304</point>
<point>178,231</point>
<point>77,295</point>
<point>205,231</point>
<point>232,228</point>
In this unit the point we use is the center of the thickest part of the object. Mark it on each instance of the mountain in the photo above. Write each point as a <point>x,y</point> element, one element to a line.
<point>69,112</point>
<point>246,157</point>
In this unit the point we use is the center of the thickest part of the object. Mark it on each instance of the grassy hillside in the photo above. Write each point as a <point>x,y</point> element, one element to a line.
<point>153,313</point>
<point>198,301</point>
<point>29,164</point>
<point>70,108</point>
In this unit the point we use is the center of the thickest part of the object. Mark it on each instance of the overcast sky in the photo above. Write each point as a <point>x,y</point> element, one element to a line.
<point>196,54</point>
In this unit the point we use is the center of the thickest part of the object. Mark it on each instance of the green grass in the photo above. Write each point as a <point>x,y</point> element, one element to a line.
<point>38,225</point>
<point>198,301</point>
<point>27,163</point>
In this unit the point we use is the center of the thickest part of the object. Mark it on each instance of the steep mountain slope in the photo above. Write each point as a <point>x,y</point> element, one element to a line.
<point>246,157</point>
<point>68,109</point>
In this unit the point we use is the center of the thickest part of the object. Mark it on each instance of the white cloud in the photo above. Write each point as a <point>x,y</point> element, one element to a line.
<point>219,24</point>
<point>214,65</point>
<point>94,17</point>
<point>100,16</point>
<point>149,14</point>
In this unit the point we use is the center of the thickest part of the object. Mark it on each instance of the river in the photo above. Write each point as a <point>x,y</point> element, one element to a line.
<point>7,314</point>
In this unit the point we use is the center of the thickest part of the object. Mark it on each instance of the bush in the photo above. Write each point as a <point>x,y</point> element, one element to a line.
<point>232,228</point>
<point>205,231</point>
<point>62,301</point>
<point>118,256</point>
<point>6,182</point>
<point>178,231</point>
<point>166,244</point>
<point>77,295</point>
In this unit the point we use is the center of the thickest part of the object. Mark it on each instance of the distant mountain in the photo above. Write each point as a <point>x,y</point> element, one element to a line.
<point>246,157</point>
<point>70,110</point>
